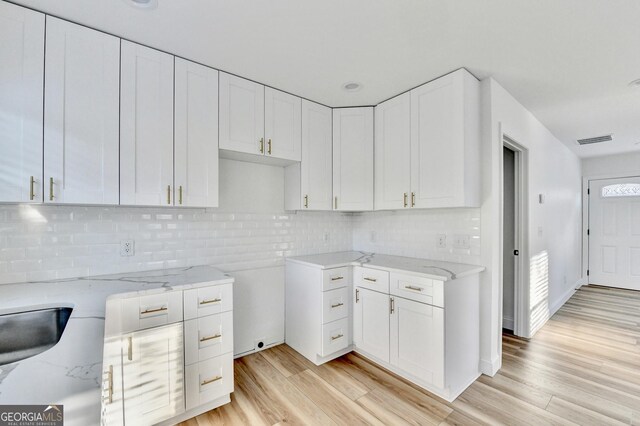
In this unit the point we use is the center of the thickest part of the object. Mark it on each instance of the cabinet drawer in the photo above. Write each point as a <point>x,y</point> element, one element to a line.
<point>336,278</point>
<point>153,310</point>
<point>208,380</point>
<point>373,279</point>
<point>335,336</point>
<point>200,302</point>
<point>335,304</point>
<point>208,337</point>
<point>416,288</point>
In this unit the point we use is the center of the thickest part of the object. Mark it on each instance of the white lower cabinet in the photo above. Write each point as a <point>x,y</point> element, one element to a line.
<point>152,371</point>
<point>371,322</point>
<point>167,356</point>
<point>417,340</point>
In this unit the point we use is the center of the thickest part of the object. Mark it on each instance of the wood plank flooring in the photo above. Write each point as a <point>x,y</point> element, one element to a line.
<point>582,368</point>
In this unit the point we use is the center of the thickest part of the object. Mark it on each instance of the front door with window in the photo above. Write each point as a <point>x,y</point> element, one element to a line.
<point>614,237</point>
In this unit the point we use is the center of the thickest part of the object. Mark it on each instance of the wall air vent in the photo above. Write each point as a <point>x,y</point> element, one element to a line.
<point>597,139</point>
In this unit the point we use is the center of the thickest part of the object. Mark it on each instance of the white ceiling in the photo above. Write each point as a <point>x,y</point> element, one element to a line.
<point>567,61</point>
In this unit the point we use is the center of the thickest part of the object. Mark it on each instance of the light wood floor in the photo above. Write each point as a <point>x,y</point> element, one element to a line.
<point>582,368</point>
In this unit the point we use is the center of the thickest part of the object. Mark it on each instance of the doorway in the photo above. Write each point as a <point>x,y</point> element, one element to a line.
<point>509,239</point>
<point>614,232</point>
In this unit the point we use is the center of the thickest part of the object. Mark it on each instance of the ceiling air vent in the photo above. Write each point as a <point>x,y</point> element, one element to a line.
<point>597,139</point>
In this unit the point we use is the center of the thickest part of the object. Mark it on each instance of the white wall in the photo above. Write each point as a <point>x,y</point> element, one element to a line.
<point>413,233</point>
<point>553,253</point>
<point>612,165</point>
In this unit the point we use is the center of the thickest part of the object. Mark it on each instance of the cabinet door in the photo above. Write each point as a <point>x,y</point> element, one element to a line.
<point>371,323</point>
<point>353,159</point>
<point>282,125</point>
<point>81,148</point>
<point>153,375</point>
<point>316,166</point>
<point>437,142</point>
<point>112,403</point>
<point>393,153</point>
<point>21,76</point>
<point>241,115</point>
<point>417,340</point>
<point>146,126</point>
<point>196,138</point>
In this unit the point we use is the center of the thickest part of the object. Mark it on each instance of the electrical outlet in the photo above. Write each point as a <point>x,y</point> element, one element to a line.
<point>441,241</point>
<point>126,248</point>
<point>461,242</point>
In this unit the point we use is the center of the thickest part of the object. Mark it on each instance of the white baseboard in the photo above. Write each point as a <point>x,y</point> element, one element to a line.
<point>490,368</point>
<point>553,308</point>
<point>507,323</point>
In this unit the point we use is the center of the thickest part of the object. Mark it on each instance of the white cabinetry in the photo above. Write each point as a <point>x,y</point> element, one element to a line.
<point>428,145</point>
<point>152,372</point>
<point>21,91</point>
<point>196,135</point>
<point>371,322</point>
<point>308,185</point>
<point>81,148</point>
<point>318,313</point>
<point>353,159</point>
<point>282,124</point>
<point>146,126</point>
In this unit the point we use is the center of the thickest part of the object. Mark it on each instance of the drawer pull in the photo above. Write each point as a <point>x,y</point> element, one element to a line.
<point>337,305</point>
<point>151,311</point>
<point>337,278</point>
<point>206,382</point>
<point>215,336</point>
<point>337,337</point>
<point>206,302</point>
<point>410,287</point>
<point>373,280</point>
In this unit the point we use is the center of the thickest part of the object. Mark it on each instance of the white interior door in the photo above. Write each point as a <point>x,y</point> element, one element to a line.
<point>196,138</point>
<point>81,148</point>
<point>614,233</point>
<point>146,126</point>
<point>21,77</point>
<point>282,125</point>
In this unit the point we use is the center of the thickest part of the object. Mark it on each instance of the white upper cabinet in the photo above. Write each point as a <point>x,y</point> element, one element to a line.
<point>241,115</point>
<point>445,142</point>
<point>196,135</point>
<point>146,126</point>
<point>21,76</point>
<point>282,124</point>
<point>353,159</point>
<point>393,153</point>
<point>316,166</point>
<point>82,81</point>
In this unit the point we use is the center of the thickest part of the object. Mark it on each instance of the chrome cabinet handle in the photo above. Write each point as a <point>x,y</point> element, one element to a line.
<point>269,149</point>
<point>337,278</point>
<point>413,199</point>
<point>215,336</point>
<point>206,382</point>
<point>261,145</point>
<point>410,287</point>
<point>336,337</point>
<point>51,197</point>
<point>180,195</point>
<point>32,193</point>
<point>306,201</point>
<point>337,305</point>
<point>373,280</point>
<point>206,302</point>
<point>405,199</point>
<point>392,305</point>
<point>168,194</point>
<point>357,295</point>
<point>151,311</point>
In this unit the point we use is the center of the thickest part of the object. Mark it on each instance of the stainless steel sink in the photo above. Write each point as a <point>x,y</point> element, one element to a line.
<point>25,334</point>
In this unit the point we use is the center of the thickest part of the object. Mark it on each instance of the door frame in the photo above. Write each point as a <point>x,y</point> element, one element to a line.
<point>586,208</point>
<point>521,320</point>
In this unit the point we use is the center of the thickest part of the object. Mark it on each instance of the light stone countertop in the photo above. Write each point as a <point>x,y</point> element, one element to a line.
<point>434,269</point>
<point>70,373</point>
